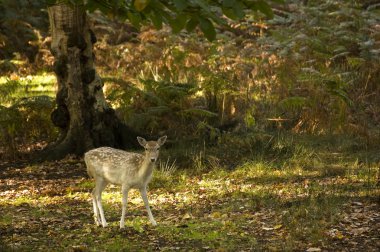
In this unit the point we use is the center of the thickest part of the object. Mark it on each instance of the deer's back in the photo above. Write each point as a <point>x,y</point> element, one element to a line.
<point>116,166</point>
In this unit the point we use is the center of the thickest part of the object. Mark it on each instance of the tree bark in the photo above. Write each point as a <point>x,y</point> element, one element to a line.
<point>82,114</point>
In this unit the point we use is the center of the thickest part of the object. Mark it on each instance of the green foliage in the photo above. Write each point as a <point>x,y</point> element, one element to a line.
<point>23,23</point>
<point>293,103</point>
<point>27,121</point>
<point>181,81</point>
<point>176,13</point>
<point>324,60</point>
<point>313,68</point>
<point>207,28</point>
<point>192,112</point>
<point>7,89</point>
<point>24,114</point>
<point>159,105</point>
<point>140,5</point>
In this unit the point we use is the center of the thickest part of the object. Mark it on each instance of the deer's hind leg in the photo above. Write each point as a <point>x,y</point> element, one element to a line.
<point>95,206</point>
<point>100,184</point>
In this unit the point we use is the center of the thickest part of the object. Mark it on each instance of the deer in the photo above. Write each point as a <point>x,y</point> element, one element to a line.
<point>128,169</point>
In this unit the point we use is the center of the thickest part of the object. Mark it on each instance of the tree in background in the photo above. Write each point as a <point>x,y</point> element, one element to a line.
<point>82,113</point>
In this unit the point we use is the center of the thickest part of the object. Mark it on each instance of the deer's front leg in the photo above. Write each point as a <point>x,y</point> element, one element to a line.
<point>146,202</point>
<point>125,191</point>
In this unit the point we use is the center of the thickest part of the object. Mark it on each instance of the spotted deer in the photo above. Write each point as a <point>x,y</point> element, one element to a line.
<point>130,170</point>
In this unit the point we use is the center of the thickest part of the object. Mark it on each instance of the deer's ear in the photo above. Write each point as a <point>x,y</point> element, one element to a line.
<point>141,141</point>
<point>161,140</point>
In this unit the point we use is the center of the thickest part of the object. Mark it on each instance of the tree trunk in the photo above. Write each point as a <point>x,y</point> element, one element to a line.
<point>83,116</point>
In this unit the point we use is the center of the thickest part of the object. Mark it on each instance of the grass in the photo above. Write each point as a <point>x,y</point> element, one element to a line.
<point>16,87</point>
<point>301,198</point>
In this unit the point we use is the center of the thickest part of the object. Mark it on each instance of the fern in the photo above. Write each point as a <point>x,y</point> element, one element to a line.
<point>199,112</point>
<point>35,103</point>
<point>8,91</point>
<point>294,103</point>
<point>8,116</point>
<point>22,21</point>
<point>159,110</point>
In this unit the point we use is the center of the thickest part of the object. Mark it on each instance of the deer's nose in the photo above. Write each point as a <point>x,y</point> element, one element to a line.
<point>153,160</point>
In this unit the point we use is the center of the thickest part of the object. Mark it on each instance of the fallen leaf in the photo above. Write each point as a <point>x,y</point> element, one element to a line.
<point>186,216</point>
<point>339,235</point>
<point>313,249</point>
<point>277,226</point>
<point>267,228</point>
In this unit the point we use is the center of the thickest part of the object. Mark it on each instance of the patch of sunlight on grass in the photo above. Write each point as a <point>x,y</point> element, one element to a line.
<point>137,200</point>
<point>186,197</point>
<point>77,195</point>
<point>266,172</point>
<point>40,83</point>
<point>163,198</point>
<point>111,197</point>
<point>23,200</point>
<point>86,184</point>
<point>44,78</point>
<point>49,200</point>
<point>250,169</point>
<point>212,184</point>
<point>137,223</point>
<point>32,85</point>
<point>367,173</point>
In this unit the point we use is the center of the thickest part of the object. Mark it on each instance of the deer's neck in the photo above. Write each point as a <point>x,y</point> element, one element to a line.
<point>146,169</point>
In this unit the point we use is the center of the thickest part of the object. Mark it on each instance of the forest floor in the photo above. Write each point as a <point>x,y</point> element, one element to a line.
<point>333,206</point>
